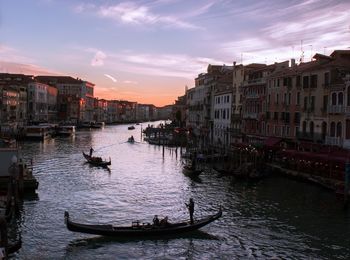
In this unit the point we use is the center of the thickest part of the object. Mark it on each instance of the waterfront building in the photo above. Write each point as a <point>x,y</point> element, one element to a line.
<point>333,76</point>
<point>178,113</point>
<point>254,101</point>
<point>283,103</point>
<point>200,102</point>
<point>239,72</point>
<point>164,113</point>
<point>112,111</point>
<point>42,102</point>
<point>100,110</point>
<point>126,111</point>
<point>77,90</point>
<point>13,102</point>
<point>222,109</point>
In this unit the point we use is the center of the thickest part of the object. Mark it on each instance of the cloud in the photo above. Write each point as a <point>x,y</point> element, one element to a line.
<point>29,69</point>
<point>130,82</point>
<point>315,26</point>
<point>110,77</point>
<point>135,14</point>
<point>98,59</point>
<point>167,65</point>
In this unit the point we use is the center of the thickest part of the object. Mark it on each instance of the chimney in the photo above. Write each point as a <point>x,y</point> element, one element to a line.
<point>292,62</point>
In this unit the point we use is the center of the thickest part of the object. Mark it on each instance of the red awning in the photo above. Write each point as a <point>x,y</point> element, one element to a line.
<point>272,141</point>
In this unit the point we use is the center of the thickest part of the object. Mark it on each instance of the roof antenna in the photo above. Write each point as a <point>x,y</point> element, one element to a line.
<point>302,52</point>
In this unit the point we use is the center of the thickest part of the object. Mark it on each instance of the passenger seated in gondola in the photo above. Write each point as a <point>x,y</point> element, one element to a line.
<point>164,222</point>
<point>156,221</point>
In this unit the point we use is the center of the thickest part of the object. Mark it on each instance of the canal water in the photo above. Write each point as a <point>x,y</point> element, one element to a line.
<point>275,218</point>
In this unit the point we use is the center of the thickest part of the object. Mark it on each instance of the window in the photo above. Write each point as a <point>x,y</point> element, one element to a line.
<point>298,98</point>
<point>339,129</point>
<point>305,81</point>
<point>268,99</point>
<point>297,118</point>
<point>340,98</point>
<point>325,102</point>
<point>305,103</point>
<point>332,129</point>
<point>304,127</point>
<point>277,99</point>
<point>334,99</point>
<point>228,99</point>
<point>313,81</point>
<point>275,115</point>
<point>312,128</point>
<point>326,79</point>
<point>289,98</point>
<point>347,130</point>
<point>298,81</point>
<point>312,104</point>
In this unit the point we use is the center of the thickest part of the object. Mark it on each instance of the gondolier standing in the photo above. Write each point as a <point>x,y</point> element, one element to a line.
<point>190,207</point>
<point>91,150</point>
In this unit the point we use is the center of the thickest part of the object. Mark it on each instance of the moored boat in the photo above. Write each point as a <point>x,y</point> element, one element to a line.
<point>96,161</point>
<point>65,130</point>
<point>131,127</point>
<point>39,132</point>
<point>140,230</point>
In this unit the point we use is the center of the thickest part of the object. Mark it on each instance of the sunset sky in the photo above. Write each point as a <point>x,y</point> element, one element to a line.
<point>148,51</point>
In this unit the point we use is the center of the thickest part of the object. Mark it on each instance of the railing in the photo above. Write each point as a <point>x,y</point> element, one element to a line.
<point>334,141</point>
<point>252,95</point>
<point>250,115</point>
<point>336,109</point>
<point>309,136</point>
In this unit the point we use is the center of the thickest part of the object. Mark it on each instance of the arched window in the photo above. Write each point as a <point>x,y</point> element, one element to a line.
<point>324,130</point>
<point>348,96</point>
<point>304,127</point>
<point>332,129</point>
<point>334,99</point>
<point>340,98</point>
<point>339,129</point>
<point>312,128</point>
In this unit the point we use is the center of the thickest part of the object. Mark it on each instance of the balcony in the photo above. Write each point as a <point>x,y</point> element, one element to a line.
<point>334,141</point>
<point>252,95</point>
<point>336,109</point>
<point>250,115</point>
<point>309,136</point>
<point>251,82</point>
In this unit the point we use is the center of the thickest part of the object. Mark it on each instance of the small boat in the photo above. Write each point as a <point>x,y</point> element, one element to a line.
<point>96,161</point>
<point>65,130</point>
<point>191,171</point>
<point>131,127</point>
<point>140,230</point>
<point>131,140</point>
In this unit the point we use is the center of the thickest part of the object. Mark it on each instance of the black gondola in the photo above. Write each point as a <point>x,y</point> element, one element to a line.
<point>191,171</point>
<point>140,230</point>
<point>97,161</point>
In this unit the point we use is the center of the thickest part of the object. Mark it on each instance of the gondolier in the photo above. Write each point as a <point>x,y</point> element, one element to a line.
<point>190,207</point>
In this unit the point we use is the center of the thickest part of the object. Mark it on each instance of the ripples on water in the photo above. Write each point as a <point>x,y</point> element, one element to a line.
<point>272,219</point>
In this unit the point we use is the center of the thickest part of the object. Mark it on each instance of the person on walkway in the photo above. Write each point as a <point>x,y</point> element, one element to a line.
<point>91,150</point>
<point>190,207</point>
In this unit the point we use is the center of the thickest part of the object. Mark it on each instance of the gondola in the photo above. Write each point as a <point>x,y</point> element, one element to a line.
<point>131,127</point>
<point>96,161</point>
<point>140,230</point>
<point>189,171</point>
